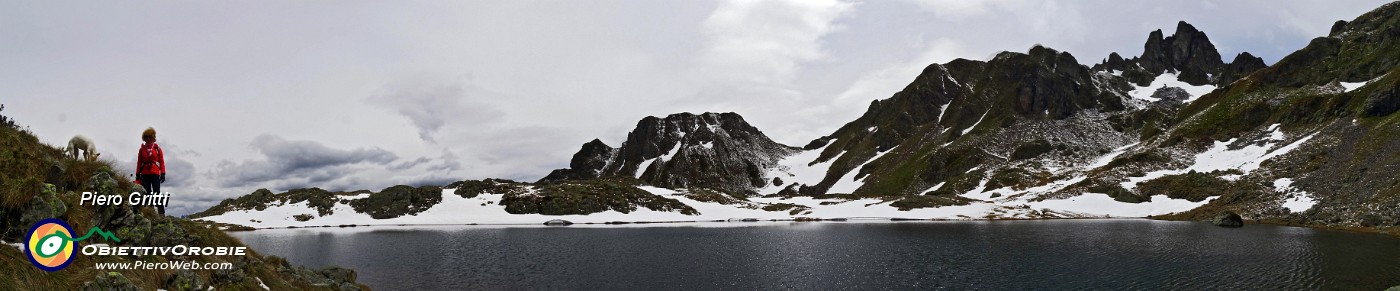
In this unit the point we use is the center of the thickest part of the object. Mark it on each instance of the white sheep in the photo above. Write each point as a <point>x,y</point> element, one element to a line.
<point>80,142</point>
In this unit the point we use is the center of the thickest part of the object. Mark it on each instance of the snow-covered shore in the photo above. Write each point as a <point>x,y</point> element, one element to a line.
<point>485,209</point>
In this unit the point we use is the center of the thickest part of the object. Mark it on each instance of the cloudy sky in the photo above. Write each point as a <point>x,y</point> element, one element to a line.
<point>349,95</point>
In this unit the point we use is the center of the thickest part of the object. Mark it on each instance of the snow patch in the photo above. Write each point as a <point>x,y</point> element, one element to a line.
<point>1101,204</point>
<point>936,187</point>
<point>18,246</point>
<point>974,125</point>
<point>848,182</point>
<point>1351,86</point>
<point>672,152</point>
<point>486,209</point>
<point>795,168</point>
<point>260,284</point>
<point>943,110</point>
<point>643,167</point>
<point>1169,80</point>
<point>1297,199</point>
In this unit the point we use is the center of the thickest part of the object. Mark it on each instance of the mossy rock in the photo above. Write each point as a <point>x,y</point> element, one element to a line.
<point>1117,192</point>
<point>1193,186</point>
<point>1031,150</point>
<point>110,281</point>
<point>1228,219</point>
<point>586,197</point>
<point>45,204</point>
<point>927,201</point>
<point>472,188</point>
<point>398,201</point>
<point>792,209</point>
<point>707,195</point>
<point>184,280</point>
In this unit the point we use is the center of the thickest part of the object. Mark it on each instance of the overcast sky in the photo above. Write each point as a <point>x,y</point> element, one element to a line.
<point>349,95</point>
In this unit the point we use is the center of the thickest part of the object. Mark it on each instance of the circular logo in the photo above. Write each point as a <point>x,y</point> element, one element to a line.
<point>50,245</point>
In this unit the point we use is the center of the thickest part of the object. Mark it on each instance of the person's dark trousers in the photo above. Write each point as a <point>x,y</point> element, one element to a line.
<point>152,184</point>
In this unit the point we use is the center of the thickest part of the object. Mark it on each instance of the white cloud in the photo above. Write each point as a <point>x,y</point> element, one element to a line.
<point>544,76</point>
<point>763,42</point>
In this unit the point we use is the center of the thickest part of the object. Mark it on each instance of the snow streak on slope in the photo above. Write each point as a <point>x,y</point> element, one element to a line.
<point>848,183</point>
<point>642,168</point>
<point>974,125</point>
<point>1221,157</point>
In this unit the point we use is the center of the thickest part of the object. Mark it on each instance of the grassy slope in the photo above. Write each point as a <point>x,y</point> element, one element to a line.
<point>25,165</point>
<point>1348,165</point>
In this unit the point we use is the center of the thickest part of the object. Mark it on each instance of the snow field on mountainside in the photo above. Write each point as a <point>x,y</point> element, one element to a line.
<point>1169,80</point>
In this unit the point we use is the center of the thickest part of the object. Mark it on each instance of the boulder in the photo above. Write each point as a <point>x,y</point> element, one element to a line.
<point>1228,219</point>
<point>184,280</point>
<point>110,281</point>
<point>558,222</point>
<point>44,205</point>
<point>1170,96</point>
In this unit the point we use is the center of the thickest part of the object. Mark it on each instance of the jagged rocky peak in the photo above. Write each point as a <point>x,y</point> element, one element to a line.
<point>720,151</point>
<point>588,162</point>
<point>1243,64</point>
<point>1188,52</point>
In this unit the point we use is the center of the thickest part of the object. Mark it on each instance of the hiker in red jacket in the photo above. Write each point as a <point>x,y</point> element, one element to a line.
<point>150,165</point>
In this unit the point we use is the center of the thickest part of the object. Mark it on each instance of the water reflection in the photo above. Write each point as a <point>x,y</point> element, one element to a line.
<point>1059,254</point>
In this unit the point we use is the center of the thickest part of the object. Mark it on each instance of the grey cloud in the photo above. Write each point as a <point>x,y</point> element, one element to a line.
<point>296,163</point>
<point>410,164</point>
<point>431,104</point>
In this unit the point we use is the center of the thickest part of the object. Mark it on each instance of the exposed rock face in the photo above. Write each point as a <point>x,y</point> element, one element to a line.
<point>1228,219</point>
<point>935,120</point>
<point>1170,96</point>
<point>711,150</point>
<point>588,163</point>
<point>1243,64</point>
<point>1189,53</point>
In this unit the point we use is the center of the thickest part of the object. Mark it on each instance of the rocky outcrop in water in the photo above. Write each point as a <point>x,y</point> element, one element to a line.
<point>1228,219</point>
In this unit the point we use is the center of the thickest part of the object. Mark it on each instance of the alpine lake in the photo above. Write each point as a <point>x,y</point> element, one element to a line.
<point>1114,254</point>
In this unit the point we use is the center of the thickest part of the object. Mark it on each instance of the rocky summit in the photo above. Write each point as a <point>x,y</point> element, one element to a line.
<point>711,150</point>
<point>1188,52</point>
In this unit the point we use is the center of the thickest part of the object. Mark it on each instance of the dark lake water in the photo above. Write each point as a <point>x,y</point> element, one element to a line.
<point>998,255</point>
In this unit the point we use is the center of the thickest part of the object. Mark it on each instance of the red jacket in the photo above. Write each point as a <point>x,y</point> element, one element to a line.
<point>150,160</point>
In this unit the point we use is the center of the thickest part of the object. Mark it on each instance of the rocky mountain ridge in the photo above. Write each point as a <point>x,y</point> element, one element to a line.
<point>1038,134</point>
